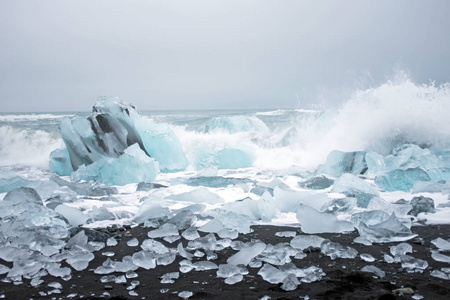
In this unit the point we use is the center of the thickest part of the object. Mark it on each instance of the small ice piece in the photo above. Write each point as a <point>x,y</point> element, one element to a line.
<point>204,266</point>
<point>108,278</point>
<point>336,250</point>
<point>413,263</point>
<point>166,258</point>
<point>212,226</point>
<point>377,203</point>
<point>166,229</point>
<point>367,257</point>
<point>111,242</point>
<point>441,244</point>
<point>339,205</point>
<point>148,186</point>
<point>108,253</point>
<point>163,291</point>
<point>391,230</point>
<point>183,252</point>
<point>234,279</point>
<point>186,266</point>
<point>286,234</point>
<point>200,195</point>
<point>312,274</point>
<point>389,259</point>
<point>421,204</point>
<point>228,234</point>
<point>154,246</point>
<point>73,215</point>
<point>169,277</point>
<point>401,180</point>
<point>369,218</point>
<point>372,269</point>
<point>272,274</point>
<point>23,195</point>
<point>4,269</point>
<point>133,242</point>
<point>317,183</point>
<point>55,285</point>
<point>120,279</point>
<point>199,253</point>
<point>232,220</point>
<point>131,274</point>
<point>185,294</point>
<point>208,242</point>
<point>247,206</point>
<point>439,274</point>
<point>245,255</point>
<point>144,259</point>
<point>171,238</point>
<point>313,221</point>
<point>228,270</point>
<point>363,241</point>
<point>352,186</point>
<point>305,241</point>
<point>190,234</point>
<point>35,282</point>
<point>183,219</point>
<point>59,272</point>
<point>440,257</point>
<point>400,249</point>
<point>290,283</point>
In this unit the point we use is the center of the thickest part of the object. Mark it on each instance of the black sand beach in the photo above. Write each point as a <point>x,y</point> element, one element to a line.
<point>343,279</point>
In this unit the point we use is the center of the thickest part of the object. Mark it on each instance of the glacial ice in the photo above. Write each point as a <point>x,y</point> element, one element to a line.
<point>352,186</point>
<point>375,270</point>
<point>245,255</point>
<point>200,195</point>
<point>103,143</point>
<point>440,257</point>
<point>336,250</point>
<point>339,163</point>
<point>413,263</point>
<point>73,215</point>
<point>225,158</point>
<point>401,180</point>
<point>164,230</point>
<point>389,230</point>
<point>313,221</point>
<point>317,183</point>
<point>441,244</point>
<point>272,274</point>
<point>400,249</point>
<point>421,204</point>
<point>305,241</point>
<point>234,124</point>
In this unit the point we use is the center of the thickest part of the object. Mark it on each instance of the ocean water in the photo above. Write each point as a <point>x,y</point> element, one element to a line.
<point>287,145</point>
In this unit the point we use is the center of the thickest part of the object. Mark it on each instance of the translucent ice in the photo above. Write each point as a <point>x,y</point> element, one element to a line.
<point>165,230</point>
<point>290,283</point>
<point>200,195</point>
<point>367,257</point>
<point>421,204</point>
<point>226,158</point>
<point>401,180</point>
<point>73,215</point>
<point>144,259</point>
<point>440,257</point>
<point>339,163</point>
<point>317,183</point>
<point>313,221</point>
<point>23,195</point>
<point>305,241</point>
<point>183,252</point>
<point>400,249</point>
<point>390,230</point>
<point>154,246</point>
<point>232,220</point>
<point>204,266</point>
<point>245,255</point>
<point>375,270</point>
<point>441,244</point>
<point>212,226</point>
<point>413,263</point>
<point>190,234</point>
<point>183,219</point>
<point>336,250</point>
<point>234,279</point>
<point>352,186</point>
<point>169,277</point>
<point>272,274</point>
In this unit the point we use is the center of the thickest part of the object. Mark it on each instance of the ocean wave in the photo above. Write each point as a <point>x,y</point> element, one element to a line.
<point>27,147</point>
<point>31,117</point>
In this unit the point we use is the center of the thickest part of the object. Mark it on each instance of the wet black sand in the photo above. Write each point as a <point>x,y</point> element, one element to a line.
<point>343,279</point>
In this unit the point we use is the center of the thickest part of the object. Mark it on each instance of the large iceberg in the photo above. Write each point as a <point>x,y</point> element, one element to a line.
<point>339,163</point>
<point>115,137</point>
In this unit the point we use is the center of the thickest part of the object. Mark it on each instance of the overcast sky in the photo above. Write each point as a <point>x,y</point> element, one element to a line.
<point>62,55</point>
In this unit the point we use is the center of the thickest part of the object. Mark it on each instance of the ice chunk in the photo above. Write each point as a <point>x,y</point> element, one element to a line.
<point>413,263</point>
<point>60,162</point>
<point>441,244</point>
<point>208,242</point>
<point>133,242</point>
<point>10,181</point>
<point>145,186</point>
<point>151,211</point>
<point>232,220</point>
<point>390,230</point>
<point>183,219</point>
<point>317,183</point>
<point>400,249</point>
<point>272,274</point>
<point>290,283</point>
<point>169,277</point>
<point>204,266</point>
<point>313,221</point>
<point>286,234</point>
<point>85,188</point>
<point>190,234</point>
<point>379,204</point>
<point>369,217</point>
<point>440,257</point>
<point>185,294</point>
<point>144,259</point>
<point>305,241</point>
<point>401,180</point>
<point>339,163</point>
<point>161,143</point>
<point>226,158</point>
<point>234,279</point>
<point>352,186</point>
<point>23,195</point>
<point>288,201</point>
<point>154,246</point>
<point>132,166</point>
<point>439,274</point>
<point>228,233</point>
<point>421,204</point>
<point>247,206</point>
<point>336,250</point>
<point>340,204</point>
<point>183,252</point>
<point>212,226</point>
<point>228,270</point>
<point>278,254</point>
<point>216,181</point>
<point>430,187</point>
<point>163,231</point>
<point>245,255</point>
<point>387,258</point>
<point>200,195</point>
<point>73,215</point>
<point>367,257</point>
<point>375,270</point>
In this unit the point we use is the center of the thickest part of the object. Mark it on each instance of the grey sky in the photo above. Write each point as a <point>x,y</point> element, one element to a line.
<point>62,55</point>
